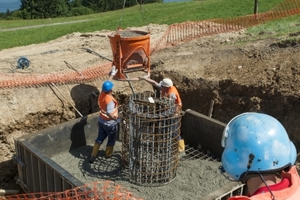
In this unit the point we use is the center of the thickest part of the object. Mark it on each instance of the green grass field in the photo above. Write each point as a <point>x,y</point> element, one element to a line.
<point>157,13</point>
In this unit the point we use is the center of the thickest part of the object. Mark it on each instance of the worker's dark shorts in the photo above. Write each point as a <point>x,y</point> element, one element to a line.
<point>109,131</point>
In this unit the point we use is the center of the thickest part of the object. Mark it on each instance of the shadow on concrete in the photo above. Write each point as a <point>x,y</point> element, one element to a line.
<point>78,134</point>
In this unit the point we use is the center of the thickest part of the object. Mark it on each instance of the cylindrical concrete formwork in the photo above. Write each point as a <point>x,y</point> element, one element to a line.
<point>151,128</point>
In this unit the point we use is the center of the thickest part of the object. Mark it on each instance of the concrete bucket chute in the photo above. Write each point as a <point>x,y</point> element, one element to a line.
<point>131,52</point>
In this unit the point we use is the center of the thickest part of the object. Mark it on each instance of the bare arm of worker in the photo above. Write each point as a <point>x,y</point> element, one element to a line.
<point>112,116</point>
<point>178,106</point>
<point>110,77</point>
<point>152,82</point>
<point>110,109</point>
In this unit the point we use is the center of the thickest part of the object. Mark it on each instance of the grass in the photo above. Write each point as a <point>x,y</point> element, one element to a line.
<point>158,13</point>
<point>278,27</point>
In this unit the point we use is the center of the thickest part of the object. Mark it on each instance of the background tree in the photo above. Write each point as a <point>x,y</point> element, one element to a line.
<point>35,9</point>
<point>44,8</point>
<point>92,4</point>
<point>55,8</point>
<point>75,3</point>
<point>109,5</point>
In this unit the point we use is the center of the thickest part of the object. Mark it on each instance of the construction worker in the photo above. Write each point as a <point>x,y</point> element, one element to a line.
<point>169,90</point>
<point>108,118</point>
<point>259,153</point>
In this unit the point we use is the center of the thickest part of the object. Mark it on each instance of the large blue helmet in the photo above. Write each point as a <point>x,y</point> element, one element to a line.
<point>107,86</point>
<point>255,143</point>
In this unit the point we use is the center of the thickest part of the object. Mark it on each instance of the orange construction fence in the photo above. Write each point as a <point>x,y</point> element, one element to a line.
<point>98,190</point>
<point>174,35</point>
<point>183,32</point>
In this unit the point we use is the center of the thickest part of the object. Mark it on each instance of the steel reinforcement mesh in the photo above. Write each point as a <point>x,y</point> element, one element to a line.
<point>151,129</point>
<point>175,34</point>
<point>100,190</point>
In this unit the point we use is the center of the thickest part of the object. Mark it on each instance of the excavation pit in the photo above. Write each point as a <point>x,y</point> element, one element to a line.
<point>59,157</point>
<point>242,83</point>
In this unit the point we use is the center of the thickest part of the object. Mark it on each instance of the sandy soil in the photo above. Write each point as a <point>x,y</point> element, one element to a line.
<point>260,75</point>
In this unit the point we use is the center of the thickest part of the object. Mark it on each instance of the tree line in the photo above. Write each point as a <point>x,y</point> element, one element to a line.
<point>39,9</point>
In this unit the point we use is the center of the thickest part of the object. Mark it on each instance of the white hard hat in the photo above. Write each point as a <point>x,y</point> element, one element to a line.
<point>166,82</point>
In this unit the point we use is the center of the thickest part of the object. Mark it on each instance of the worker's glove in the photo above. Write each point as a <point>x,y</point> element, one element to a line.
<point>113,70</point>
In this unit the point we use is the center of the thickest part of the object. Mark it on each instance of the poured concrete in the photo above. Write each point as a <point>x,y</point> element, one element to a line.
<point>67,148</point>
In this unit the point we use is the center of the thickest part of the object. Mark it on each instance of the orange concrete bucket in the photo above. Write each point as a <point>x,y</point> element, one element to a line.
<point>131,52</point>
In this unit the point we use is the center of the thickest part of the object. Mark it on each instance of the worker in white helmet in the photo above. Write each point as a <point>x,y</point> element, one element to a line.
<point>169,90</point>
<point>259,153</point>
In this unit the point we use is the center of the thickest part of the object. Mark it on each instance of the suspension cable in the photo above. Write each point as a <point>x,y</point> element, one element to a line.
<point>122,14</point>
<point>143,16</point>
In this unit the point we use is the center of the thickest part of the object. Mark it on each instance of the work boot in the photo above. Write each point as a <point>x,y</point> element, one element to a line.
<point>181,148</point>
<point>94,152</point>
<point>109,151</point>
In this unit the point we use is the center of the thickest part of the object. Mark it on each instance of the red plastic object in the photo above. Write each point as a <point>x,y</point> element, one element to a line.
<point>131,52</point>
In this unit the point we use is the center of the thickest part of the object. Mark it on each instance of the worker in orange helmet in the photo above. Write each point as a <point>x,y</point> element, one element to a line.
<point>259,153</point>
<point>108,118</point>
<point>170,91</point>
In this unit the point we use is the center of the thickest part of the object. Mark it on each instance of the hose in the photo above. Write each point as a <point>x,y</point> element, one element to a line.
<point>23,63</point>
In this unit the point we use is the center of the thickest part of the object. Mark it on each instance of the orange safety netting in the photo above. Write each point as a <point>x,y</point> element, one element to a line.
<point>180,33</point>
<point>175,34</point>
<point>96,190</point>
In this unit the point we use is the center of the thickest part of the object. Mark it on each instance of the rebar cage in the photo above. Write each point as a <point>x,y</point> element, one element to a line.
<point>151,129</point>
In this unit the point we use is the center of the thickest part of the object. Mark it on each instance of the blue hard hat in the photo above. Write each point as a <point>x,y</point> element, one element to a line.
<point>255,143</point>
<point>107,86</point>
